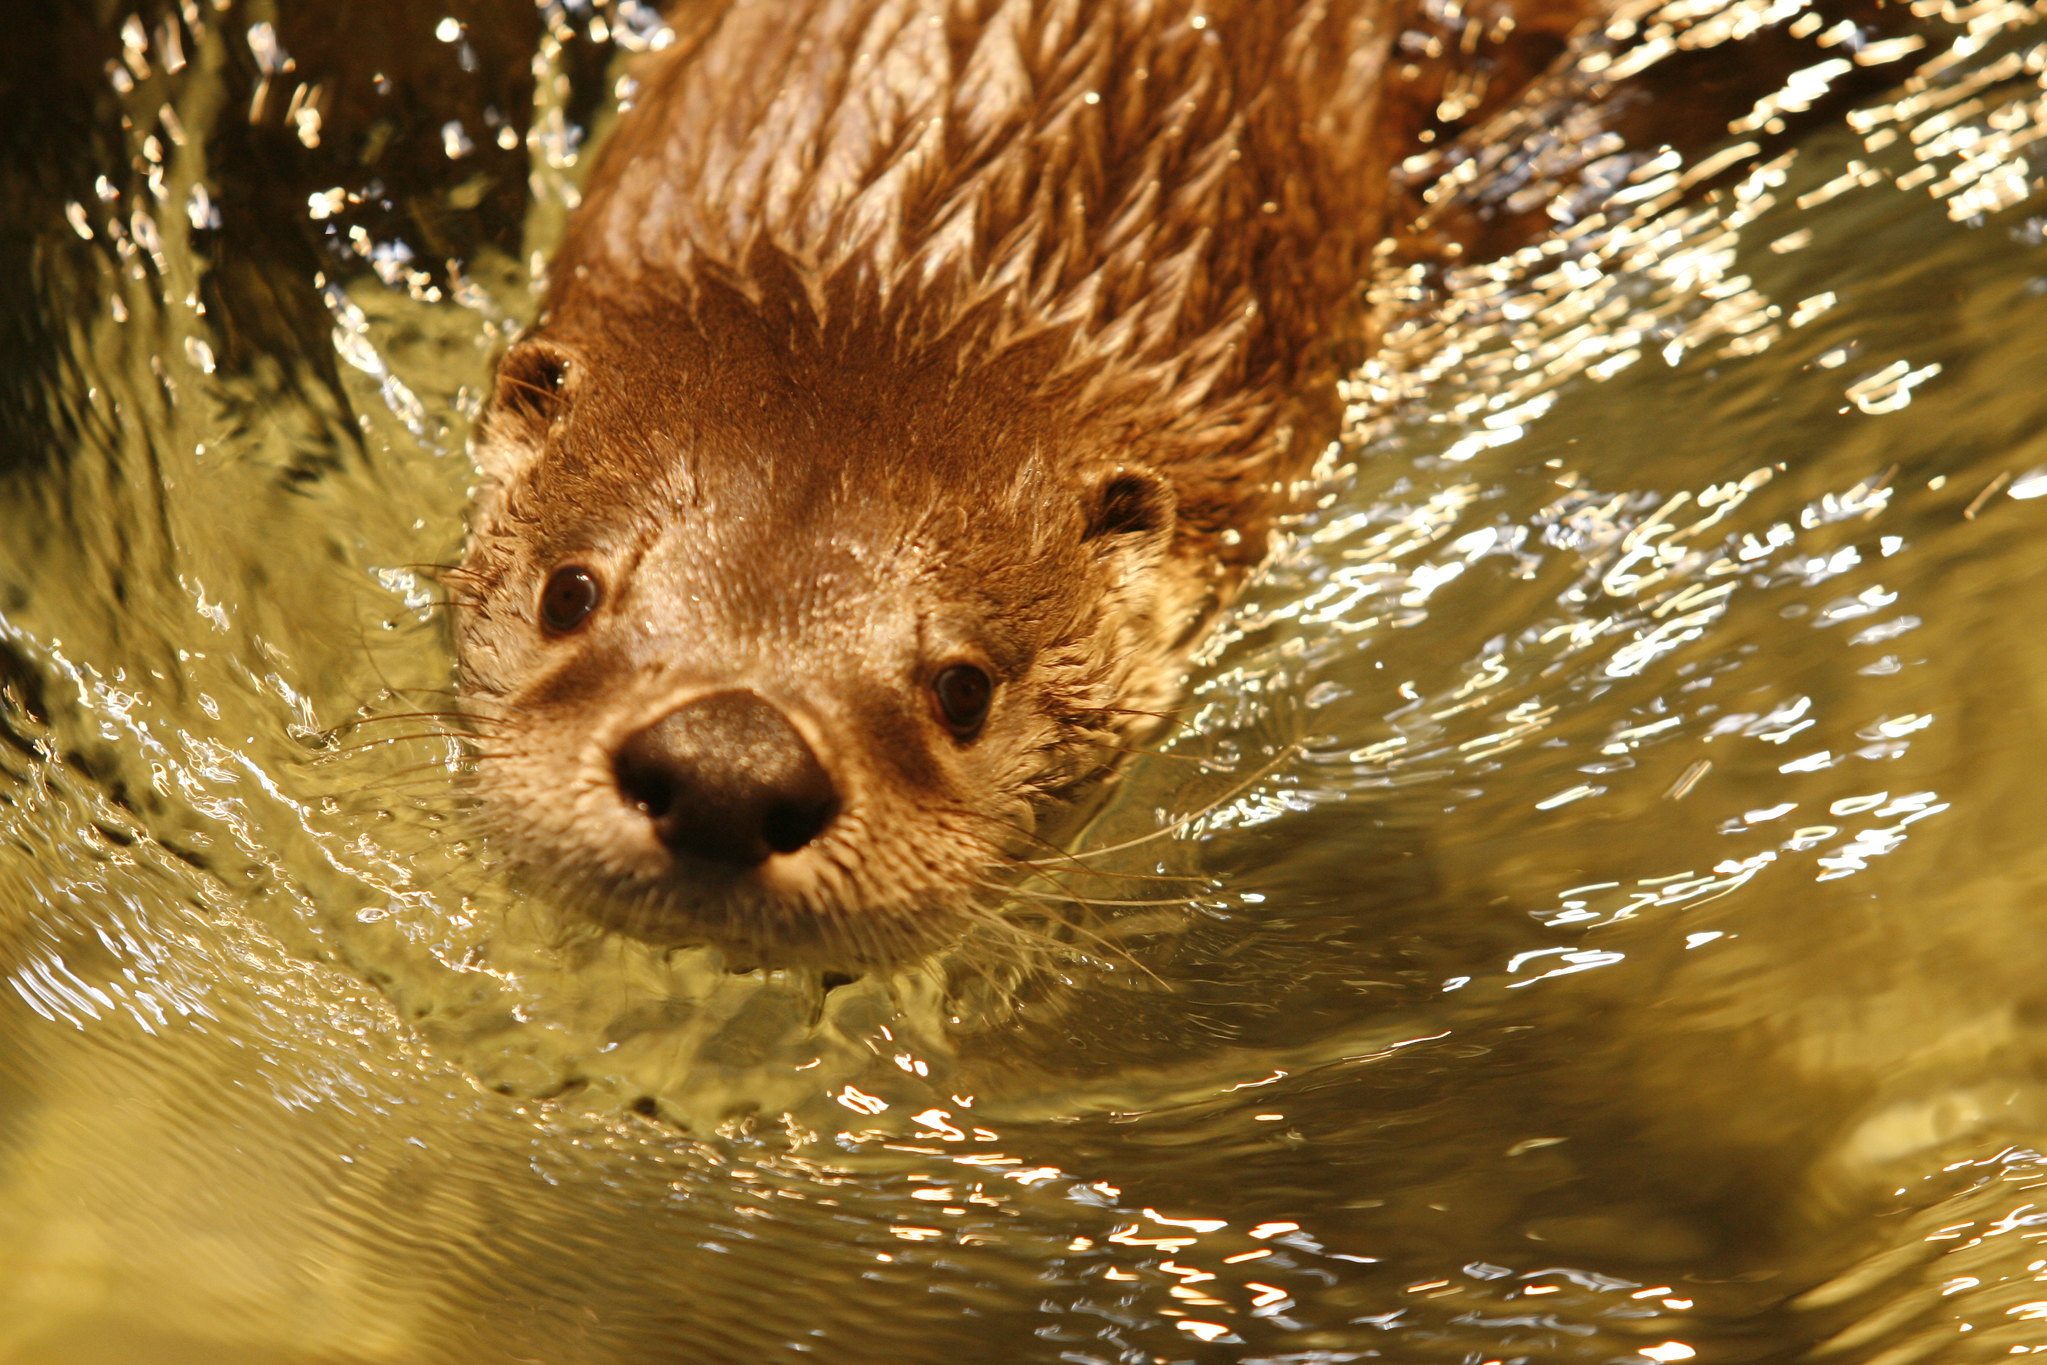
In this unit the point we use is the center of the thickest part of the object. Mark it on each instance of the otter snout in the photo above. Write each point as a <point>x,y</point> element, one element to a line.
<point>726,778</point>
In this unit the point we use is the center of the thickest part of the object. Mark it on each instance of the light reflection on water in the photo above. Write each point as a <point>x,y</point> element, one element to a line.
<point>1625,954</point>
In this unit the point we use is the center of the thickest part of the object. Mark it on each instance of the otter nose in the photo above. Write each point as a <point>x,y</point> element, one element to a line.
<point>728,779</point>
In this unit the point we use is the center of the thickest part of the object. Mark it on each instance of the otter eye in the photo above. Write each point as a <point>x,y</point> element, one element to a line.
<point>963,692</point>
<point>568,599</point>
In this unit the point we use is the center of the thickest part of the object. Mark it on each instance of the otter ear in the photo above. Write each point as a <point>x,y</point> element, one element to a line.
<point>532,390</point>
<point>1130,507</point>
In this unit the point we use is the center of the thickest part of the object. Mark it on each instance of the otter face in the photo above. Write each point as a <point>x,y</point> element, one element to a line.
<point>796,658</point>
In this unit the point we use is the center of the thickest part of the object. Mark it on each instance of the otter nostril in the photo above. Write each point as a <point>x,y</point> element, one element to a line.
<point>727,779</point>
<point>790,825</point>
<point>644,775</point>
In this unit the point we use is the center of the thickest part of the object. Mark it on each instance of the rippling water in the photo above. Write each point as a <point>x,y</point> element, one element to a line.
<point>1612,818</point>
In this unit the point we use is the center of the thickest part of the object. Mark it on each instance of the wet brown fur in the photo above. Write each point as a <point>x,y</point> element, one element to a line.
<point>1166,226</point>
<point>902,330</point>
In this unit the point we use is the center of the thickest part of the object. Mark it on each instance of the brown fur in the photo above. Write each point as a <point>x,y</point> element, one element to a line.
<point>904,330</point>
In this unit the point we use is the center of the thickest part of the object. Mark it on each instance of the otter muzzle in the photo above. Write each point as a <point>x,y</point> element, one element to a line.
<point>726,778</point>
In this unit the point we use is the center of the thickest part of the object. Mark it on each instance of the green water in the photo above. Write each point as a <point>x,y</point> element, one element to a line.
<point>1609,831</point>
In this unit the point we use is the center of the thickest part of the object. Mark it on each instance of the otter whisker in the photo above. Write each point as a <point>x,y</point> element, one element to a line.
<point>417,776</point>
<point>386,717</point>
<point>1063,895</point>
<point>1048,941</point>
<point>438,570</point>
<point>1075,898</point>
<point>1210,808</point>
<point>1170,721</point>
<point>383,741</point>
<point>429,779</point>
<point>1210,764</point>
<point>868,937</point>
<point>349,750</point>
<point>450,693</point>
<point>1026,956</point>
<point>1060,855</point>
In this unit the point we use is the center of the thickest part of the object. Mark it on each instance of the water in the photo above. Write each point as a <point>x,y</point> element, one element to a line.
<point>1610,932</point>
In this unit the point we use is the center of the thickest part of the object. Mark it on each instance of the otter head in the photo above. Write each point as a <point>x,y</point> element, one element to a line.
<point>781,646</point>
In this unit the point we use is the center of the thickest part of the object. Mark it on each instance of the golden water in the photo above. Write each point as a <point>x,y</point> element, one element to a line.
<point>1629,948</point>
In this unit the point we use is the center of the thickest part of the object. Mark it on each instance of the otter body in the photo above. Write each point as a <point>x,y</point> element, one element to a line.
<point>914,381</point>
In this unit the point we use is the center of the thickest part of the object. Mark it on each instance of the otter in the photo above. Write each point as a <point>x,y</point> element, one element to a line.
<point>915,381</point>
